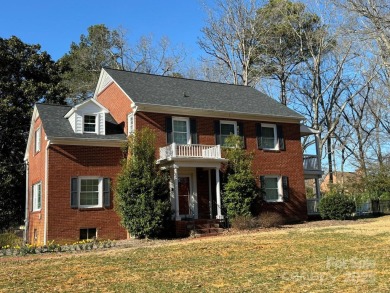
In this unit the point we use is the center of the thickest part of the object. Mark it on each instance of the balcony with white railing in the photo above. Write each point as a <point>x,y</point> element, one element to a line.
<point>190,151</point>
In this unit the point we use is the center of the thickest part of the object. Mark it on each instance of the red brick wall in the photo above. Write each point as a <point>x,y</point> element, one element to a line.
<point>282,163</point>
<point>64,223</point>
<point>117,103</point>
<point>36,163</point>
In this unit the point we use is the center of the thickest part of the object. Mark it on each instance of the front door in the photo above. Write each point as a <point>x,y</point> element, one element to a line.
<point>184,196</point>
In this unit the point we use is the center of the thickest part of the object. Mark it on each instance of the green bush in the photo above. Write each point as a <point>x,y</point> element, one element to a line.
<point>142,191</point>
<point>10,239</point>
<point>336,207</point>
<point>240,190</point>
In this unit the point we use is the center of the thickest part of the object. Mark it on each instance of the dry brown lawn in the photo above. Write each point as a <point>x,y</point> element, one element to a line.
<point>329,256</point>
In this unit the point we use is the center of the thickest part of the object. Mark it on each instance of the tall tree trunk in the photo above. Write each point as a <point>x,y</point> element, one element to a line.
<point>330,165</point>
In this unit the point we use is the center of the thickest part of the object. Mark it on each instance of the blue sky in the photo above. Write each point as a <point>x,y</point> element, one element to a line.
<point>55,24</point>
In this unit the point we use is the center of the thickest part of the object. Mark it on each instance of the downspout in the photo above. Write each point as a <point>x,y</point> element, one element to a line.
<point>46,190</point>
<point>26,205</point>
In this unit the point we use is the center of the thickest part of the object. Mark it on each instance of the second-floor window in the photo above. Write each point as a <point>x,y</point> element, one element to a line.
<point>90,123</point>
<point>38,140</point>
<point>181,130</point>
<point>227,128</point>
<point>37,196</point>
<point>269,137</point>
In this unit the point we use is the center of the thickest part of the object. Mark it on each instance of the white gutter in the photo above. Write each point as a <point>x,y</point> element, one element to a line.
<point>46,190</point>
<point>26,223</point>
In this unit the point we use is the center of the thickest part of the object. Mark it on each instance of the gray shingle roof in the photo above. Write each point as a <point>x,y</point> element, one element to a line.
<point>188,93</point>
<point>57,126</point>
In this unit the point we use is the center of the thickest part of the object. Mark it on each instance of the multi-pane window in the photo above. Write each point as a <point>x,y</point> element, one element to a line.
<point>38,140</point>
<point>269,136</point>
<point>180,129</point>
<point>89,123</point>
<point>227,128</point>
<point>37,196</point>
<point>275,188</point>
<point>89,192</point>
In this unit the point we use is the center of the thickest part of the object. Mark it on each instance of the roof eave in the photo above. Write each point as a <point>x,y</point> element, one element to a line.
<point>175,110</point>
<point>87,141</point>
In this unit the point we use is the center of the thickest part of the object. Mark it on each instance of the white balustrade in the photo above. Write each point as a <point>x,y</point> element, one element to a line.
<point>190,151</point>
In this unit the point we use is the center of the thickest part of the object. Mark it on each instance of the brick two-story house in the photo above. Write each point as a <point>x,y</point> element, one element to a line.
<point>73,153</point>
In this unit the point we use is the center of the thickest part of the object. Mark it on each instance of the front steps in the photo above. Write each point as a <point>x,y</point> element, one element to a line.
<point>204,228</point>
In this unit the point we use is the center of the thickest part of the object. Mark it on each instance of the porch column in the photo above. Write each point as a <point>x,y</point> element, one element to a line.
<point>176,192</point>
<point>218,193</point>
<point>317,182</point>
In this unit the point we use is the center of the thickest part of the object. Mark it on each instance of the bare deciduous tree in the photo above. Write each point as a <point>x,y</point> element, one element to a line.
<point>230,38</point>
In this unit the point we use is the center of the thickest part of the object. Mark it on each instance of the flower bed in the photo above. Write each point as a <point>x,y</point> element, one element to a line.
<point>52,247</point>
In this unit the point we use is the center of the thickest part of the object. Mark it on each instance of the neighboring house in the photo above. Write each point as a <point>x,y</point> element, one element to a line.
<point>345,179</point>
<point>73,153</point>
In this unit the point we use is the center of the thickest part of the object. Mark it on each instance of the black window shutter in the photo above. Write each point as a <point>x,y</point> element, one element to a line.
<point>74,193</point>
<point>285,188</point>
<point>193,131</point>
<point>262,186</point>
<point>282,146</point>
<point>258,136</point>
<point>168,129</point>
<point>217,132</point>
<point>106,192</point>
<point>240,130</point>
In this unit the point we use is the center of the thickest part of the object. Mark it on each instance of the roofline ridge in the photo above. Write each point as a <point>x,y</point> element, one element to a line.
<point>52,104</point>
<point>183,78</point>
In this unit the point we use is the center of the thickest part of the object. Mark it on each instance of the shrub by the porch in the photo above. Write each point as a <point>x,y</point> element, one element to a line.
<point>142,191</point>
<point>240,190</point>
<point>336,207</point>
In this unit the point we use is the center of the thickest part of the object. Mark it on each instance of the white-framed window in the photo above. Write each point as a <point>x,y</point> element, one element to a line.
<point>181,130</point>
<point>273,188</point>
<point>269,137</point>
<point>89,125</point>
<point>88,233</point>
<point>37,196</point>
<point>38,140</point>
<point>90,192</point>
<point>227,128</point>
<point>130,123</point>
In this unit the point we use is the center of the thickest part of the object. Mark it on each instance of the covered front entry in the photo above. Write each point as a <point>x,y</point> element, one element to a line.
<point>194,182</point>
<point>195,193</point>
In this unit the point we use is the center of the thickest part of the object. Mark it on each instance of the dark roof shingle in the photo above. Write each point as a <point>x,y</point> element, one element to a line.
<point>56,126</point>
<point>188,93</point>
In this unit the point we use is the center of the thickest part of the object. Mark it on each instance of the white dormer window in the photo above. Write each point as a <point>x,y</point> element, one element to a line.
<point>88,117</point>
<point>89,123</point>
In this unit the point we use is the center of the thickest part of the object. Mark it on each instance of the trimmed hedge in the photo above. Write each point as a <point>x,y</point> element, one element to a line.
<point>336,207</point>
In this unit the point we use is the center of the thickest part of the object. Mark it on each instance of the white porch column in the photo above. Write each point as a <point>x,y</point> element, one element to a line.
<point>176,192</point>
<point>218,193</point>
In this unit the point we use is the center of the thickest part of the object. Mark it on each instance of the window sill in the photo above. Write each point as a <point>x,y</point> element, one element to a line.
<point>36,211</point>
<point>90,209</point>
<point>274,201</point>
<point>271,150</point>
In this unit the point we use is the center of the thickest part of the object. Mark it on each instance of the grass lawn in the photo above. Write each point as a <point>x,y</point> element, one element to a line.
<point>301,258</point>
